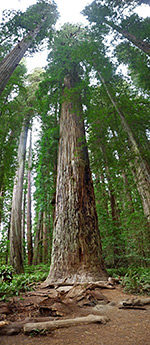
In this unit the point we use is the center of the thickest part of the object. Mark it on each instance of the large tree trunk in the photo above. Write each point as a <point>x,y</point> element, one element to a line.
<point>140,170</point>
<point>29,216</point>
<point>16,259</point>
<point>76,253</point>
<point>11,61</point>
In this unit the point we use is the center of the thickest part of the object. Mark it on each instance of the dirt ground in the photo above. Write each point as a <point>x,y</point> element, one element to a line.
<point>125,327</point>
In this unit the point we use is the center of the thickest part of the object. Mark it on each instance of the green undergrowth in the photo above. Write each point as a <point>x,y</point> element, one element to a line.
<point>12,284</point>
<point>135,280</point>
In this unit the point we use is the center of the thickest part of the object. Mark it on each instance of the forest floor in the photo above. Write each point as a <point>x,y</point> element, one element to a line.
<point>125,326</point>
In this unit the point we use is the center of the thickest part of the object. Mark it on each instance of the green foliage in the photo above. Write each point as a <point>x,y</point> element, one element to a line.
<point>6,273</point>
<point>117,272</point>
<point>15,25</point>
<point>23,282</point>
<point>133,279</point>
<point>74,49</point>
<point>137,280</point>
<point>124,229</point>
<point>138,65</point>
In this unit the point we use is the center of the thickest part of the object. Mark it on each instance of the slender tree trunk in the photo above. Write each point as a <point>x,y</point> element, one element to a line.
<point>140,170</point>
<point>36,250</point>
<point>45,239</point>
<point>114,208</point>
<point>104,193</point>
<point>29,215</point>
<point>1,206</point>
<point>142,45</point>
<point>143,189</point>
<point>16,259</point>
<point>76,252</point>
<point>128,193</point>
<point>40,249</point>
<point>23,225</point>
<point>8,237</point>
<point>11,61</point>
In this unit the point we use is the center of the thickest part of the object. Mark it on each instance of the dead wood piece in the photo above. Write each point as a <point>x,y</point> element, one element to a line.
<point>5,310</point>
<point>131,307</point>
<point>3,323</point>
<point>46,285</point>
<point>57,309</point>
<point>15,328</point>
<point>22,307</point>
<point>51,325</point>
<point>64,288</point>
<point>97,295</point>
<point>12,329</point>
<point>53,293</point>
<point>34,293</point>
<point>76,291</point>
<point>112,281</point>
<point>136,302</point>
<point>39,319</point>
<point>87,302</point>
<point>100,284</point>
<point>79,290</point>
<point>2,317</point>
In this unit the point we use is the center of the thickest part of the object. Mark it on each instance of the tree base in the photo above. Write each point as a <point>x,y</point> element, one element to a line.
<point>76,278</point>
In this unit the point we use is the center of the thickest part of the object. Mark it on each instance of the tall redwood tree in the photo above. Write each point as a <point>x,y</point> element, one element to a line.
<point>76,252</point>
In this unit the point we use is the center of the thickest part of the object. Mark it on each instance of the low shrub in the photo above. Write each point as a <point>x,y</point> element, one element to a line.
<point>22,282</point>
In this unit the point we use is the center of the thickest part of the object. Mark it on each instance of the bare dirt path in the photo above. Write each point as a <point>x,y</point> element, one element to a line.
<point>125,327</point>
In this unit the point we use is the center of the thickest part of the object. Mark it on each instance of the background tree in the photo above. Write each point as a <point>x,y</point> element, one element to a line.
<point>37,21</point>
<point>29,110</point>
<point>29,206</point>
<point>118,202</point>
<point>134,29</point>
<point>16,259</point>
<point>45,166</point>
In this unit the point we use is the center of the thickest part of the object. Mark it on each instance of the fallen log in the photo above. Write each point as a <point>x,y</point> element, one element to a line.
<point>11,329</point>
<point>135,302</point>
<point>51,325</point>
<point>14,328</point>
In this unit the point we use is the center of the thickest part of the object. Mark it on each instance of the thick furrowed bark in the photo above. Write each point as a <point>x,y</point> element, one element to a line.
<point>76,253</point>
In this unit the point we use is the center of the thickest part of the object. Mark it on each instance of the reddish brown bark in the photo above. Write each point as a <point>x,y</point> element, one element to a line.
<point>76,252</point>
